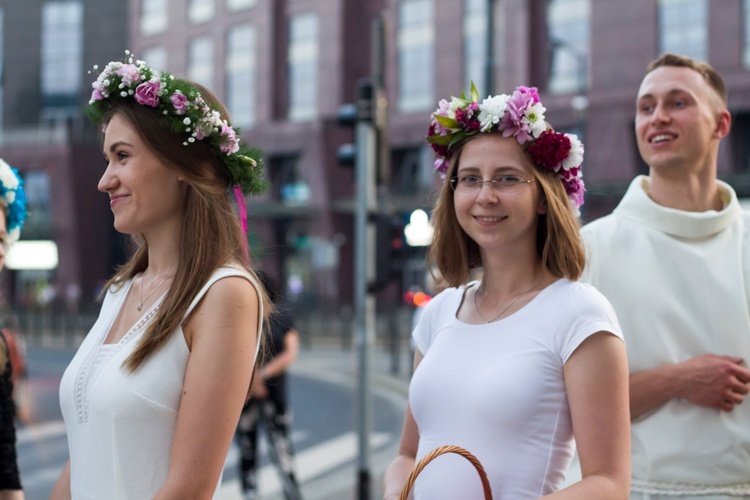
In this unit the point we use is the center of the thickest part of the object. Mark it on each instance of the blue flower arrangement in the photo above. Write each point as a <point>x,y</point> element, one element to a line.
<point>13,201</point>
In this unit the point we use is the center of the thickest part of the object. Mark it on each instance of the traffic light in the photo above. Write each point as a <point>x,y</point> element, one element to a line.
<point>350,114</point>
<point>391,249</point>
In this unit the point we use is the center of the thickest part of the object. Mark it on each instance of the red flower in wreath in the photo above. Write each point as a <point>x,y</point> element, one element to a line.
<point>550,149</point>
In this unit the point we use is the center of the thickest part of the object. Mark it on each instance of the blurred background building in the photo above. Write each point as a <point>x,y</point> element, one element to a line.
<point>284,67</point>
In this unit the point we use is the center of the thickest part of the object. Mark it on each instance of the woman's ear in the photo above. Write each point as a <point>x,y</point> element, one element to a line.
<point>542,208</point>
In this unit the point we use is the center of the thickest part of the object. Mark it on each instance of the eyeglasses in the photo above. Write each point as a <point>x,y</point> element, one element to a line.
<point>471,184</point>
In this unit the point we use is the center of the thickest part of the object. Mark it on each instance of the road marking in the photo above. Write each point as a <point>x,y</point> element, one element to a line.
<point>309,464</point>
<point>39,432</point>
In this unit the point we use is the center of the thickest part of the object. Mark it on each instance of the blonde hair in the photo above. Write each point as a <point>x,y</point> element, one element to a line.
<point>559,243</point>
<point>211,235</point>
<point>709,74</point>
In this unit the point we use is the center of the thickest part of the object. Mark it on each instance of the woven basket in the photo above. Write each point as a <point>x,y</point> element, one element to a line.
<point>442,450</point>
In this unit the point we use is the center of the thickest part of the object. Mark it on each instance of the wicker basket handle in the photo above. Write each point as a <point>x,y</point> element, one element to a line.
<point>441,450</point>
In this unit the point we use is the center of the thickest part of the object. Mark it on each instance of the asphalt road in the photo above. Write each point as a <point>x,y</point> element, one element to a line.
<point>323,402</point>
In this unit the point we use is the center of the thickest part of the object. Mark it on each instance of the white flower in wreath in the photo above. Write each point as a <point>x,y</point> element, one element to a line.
<point>575,155</point>
<point>491,110</point>
<point>534,116</point>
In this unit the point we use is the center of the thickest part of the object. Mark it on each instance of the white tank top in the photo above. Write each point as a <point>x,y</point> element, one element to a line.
<point>120,425</point>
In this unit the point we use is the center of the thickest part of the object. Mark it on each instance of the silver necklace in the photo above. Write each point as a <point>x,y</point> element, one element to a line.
<point>476,306</point>
<point>140,299</point>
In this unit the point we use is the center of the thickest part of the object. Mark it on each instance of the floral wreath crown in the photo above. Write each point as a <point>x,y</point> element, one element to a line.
<point>13,198</point>
<point>183,110</point>
<point>519,115</point>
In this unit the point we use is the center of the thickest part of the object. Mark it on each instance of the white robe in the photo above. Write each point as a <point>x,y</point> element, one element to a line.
<point>679,283</point>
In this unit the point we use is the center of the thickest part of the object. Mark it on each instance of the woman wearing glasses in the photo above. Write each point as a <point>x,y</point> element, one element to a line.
<point>517,364</point>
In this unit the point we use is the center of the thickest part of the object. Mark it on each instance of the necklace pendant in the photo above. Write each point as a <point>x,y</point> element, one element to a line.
<point>139,306</point>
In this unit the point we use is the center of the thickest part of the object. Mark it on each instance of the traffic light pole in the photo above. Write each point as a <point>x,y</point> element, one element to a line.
<point>369,137</point>
<point>364,275</point>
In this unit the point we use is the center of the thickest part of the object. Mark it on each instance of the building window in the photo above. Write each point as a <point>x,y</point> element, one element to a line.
<point>37,186</point>
<point>156,57</point>
<point>154,17</point>
<point>683,27</point>
<point>416,65</point>
<point>569,32</point>
<point>240,4</point>
<point>746,50</point>
<point>288,184</point>
<point>303,67</point>
<point>62,57</point>
<point>412,172</point>
<point>241,75</point>
<point>201,61</point>
<point>740,145</point>
<point>475,44</point>
<point>200,11</point>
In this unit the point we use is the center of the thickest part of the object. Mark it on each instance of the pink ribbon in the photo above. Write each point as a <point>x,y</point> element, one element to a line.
<point>242,207</point>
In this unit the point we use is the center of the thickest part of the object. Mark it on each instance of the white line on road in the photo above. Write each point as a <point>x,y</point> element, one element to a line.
<point>309,464</point>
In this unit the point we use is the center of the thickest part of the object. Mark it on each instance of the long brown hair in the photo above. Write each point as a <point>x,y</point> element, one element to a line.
<point>558,242</point>
<point>210,236</point>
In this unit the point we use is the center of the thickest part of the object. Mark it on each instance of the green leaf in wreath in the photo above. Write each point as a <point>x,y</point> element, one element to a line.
<point>449,123</point>
<point>440,140</point>
<point>474,93</point>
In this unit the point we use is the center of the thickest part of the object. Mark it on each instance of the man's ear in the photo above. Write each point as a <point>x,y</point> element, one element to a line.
<point>723,124</point>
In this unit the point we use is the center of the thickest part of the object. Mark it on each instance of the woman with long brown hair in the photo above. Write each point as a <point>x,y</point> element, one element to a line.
<point>514,365</point>
<point>153,396</point>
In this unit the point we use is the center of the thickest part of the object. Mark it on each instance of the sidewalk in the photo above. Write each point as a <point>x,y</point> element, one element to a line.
<point>339,366</point>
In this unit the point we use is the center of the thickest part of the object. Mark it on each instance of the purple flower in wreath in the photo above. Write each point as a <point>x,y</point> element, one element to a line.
<point>468,117</point>
<point>441,165</point>
<point>575,189</point>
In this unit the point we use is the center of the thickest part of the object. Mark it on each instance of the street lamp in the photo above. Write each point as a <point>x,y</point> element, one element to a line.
<point>418,232</point>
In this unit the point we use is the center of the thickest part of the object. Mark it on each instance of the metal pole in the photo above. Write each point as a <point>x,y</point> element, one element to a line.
<point>489,67</point>
<point>364,300</point>
<point>370,135</point>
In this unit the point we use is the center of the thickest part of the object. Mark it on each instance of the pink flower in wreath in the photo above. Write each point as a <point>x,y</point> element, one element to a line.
<point>575,189</point>
<point>147,94</point>
<point>179,101</point>
<point>512,122</point>
<point>531,92</point>
<point>129,74</point>
<point>98,93</point>
<point>202,130</point>
<point>230,144</point>
<point>443,110</point>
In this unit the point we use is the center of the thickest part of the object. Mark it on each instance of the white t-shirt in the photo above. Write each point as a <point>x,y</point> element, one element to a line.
<point>497,390</point>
